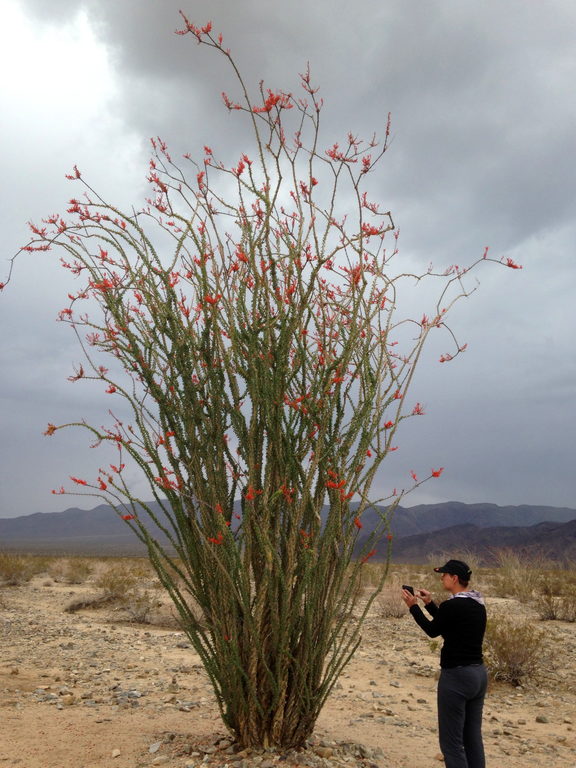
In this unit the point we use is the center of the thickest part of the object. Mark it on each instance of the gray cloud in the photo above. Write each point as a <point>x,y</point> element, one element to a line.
<point>484,135</point>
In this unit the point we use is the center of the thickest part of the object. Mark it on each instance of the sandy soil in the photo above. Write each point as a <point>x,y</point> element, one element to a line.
<point>84,690</point>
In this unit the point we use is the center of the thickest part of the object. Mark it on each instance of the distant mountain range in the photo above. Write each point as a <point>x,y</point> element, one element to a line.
<point>419,532</point>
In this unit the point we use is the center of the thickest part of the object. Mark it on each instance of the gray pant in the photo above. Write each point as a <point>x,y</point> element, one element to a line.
<point>461,692</point>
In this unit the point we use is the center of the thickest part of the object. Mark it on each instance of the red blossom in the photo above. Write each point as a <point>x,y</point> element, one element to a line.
<point>358,523</point>
<point>78,480</point>
<point>128,517</point>
<point>241,256</point>
<point>75,173</point>
<point>512,264</point>
<point>369,229</point>
<point>190,27</point>
<point>414,475</point>
<point>50,429</point>
<point>418,410</point>
<point>251,493</point>
<point>368,556</point>
<point>437,472</point>
<point>280,99</point>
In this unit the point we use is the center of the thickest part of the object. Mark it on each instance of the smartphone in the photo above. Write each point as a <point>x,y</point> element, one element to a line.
<point>408,588</point>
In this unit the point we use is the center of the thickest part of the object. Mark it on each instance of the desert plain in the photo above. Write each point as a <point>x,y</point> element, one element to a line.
<point>93,688</point>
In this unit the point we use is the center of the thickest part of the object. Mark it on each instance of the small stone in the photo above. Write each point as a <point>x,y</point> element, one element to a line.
<point>542,719</point>
<point>324,751</point>
<point>153,748</point>
<point>116,753</point>
<point>567,720</point>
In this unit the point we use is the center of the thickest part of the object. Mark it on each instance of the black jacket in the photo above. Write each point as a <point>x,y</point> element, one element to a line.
<point>462,622</point>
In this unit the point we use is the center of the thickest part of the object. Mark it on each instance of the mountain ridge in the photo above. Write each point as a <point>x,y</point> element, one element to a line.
<point>417,531</point>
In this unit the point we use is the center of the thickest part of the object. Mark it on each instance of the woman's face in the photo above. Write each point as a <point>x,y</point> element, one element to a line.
<point>448,580</point>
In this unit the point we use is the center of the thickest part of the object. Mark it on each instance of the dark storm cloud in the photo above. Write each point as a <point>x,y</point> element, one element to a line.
<point>484,132</point>
<point>478,92</point>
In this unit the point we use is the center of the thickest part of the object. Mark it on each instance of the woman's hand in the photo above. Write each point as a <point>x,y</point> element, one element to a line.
<point>409,598</point>
<point>425,595</point>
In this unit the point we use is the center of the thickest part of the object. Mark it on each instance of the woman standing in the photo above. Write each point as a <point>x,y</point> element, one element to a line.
<point>461,620</point>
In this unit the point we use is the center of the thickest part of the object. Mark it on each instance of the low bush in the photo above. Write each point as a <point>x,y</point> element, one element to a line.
<point>16,569</point>
<point>556,602</point>
<point>126,586</point>
<point>74,570</point>
<point>389,603</point>
<point>516,652</point>
<point>518,575</point>
<point>138,605</point>
<point>116,581</point>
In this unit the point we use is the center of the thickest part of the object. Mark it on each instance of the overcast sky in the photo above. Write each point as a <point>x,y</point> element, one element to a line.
<point>483,154</point>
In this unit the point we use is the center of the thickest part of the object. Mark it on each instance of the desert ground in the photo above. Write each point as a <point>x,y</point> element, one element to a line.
<point>90,689</point>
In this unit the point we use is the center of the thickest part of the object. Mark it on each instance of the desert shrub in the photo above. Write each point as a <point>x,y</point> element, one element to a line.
<point>371,574</point>
<point>515,651</point>
<point>138,604</point>
<point>131,587</point>
<point>518,575</point>
<point>556,599</point>
<point>547,606</point>
<point>74,570</point>
<point>116,581</point>
<point>389,602</point>
<point>16,569</point>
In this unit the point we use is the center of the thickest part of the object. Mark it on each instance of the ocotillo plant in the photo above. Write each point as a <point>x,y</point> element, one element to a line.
<point>248,316</point>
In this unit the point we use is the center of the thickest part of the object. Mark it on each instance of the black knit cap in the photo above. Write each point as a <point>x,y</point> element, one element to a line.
<point>456,568</point>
